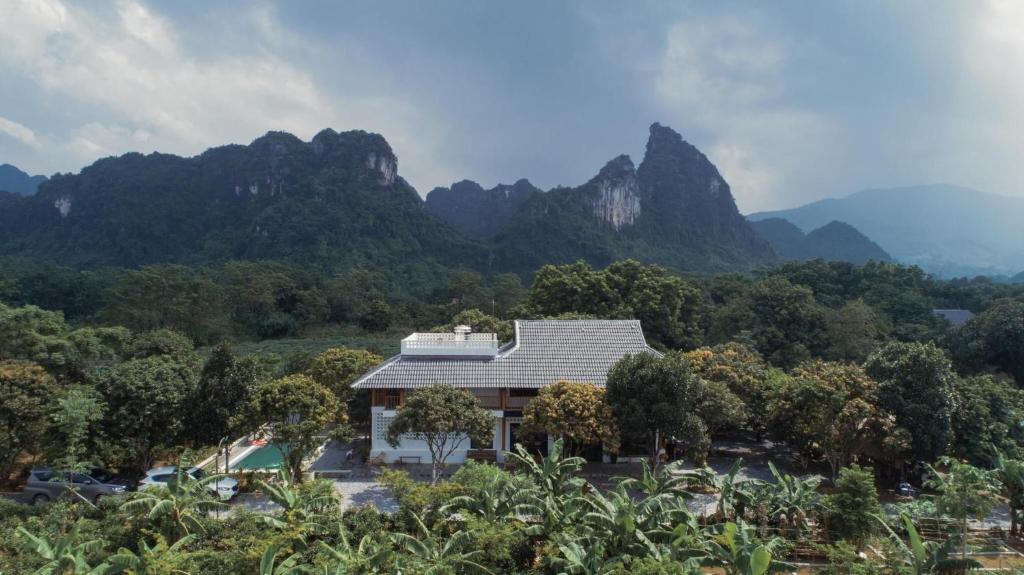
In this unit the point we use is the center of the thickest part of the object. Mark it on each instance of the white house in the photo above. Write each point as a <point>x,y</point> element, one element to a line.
<point>504,378</point>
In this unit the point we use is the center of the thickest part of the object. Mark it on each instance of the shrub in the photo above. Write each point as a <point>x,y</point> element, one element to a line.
<point>855,504</point>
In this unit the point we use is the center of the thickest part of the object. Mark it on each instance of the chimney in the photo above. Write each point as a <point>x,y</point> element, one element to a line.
<point>462,332</point>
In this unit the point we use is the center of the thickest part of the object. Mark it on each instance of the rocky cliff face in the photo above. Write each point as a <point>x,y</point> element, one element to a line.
<point>616,196</point>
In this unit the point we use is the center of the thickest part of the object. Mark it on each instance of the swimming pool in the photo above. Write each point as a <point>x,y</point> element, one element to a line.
<point>269,456</point>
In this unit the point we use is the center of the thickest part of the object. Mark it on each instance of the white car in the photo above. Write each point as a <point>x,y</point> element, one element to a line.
<point>225,488</point>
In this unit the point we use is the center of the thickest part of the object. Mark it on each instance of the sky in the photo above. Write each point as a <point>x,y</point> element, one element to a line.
<point>793,101</point>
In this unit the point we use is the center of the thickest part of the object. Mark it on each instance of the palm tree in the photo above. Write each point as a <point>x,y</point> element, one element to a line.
<point>149,556</point>
<point>927,557</point>
<point>179,507</point>
<point>65,555</point>
<point>432,555</point>
<point>1010,475</point>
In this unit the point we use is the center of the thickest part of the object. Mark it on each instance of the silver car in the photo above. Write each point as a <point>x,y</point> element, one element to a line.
<point>224,488</point>
<point>46,484</point>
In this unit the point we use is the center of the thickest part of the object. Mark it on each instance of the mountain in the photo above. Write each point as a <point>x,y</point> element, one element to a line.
<point>475,211</point>
<point>338,202</point>
<point>18,182</point>
<point>835,241</point>
<point>674,209</point>
<point>947,230</point>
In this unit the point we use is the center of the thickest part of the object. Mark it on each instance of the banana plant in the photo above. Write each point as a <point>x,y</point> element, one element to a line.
<point>791,499</point>
<point>554,474</point>
<point>65,554</point>
<point>149,558</point>
<point>664,480</point>
<point>367,557</point>
<point>927,556</point>
<point>1010,475</point>
<point>179,507</point>
<point>432,555</point>
<point>583,556</point>
<point>289,566</point>
<point>734,548</point>
<point>624,524</point>
<point>499,499</point>
<point>301,512</point>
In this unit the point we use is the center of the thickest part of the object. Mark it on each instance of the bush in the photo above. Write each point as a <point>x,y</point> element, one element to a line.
<point>504,546</point>
<point>365,520</point>
<point>416,497</point>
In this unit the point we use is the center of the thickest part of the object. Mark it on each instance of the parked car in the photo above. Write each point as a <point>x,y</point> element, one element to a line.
<point>224,488</point>
<point>906,490</point>
<point>45,484</point>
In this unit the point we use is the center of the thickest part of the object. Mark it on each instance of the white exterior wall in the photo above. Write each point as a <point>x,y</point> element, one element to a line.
<point>380,418</point>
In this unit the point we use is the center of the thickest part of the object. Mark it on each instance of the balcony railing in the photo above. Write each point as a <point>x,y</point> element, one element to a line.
<point>473,344</point>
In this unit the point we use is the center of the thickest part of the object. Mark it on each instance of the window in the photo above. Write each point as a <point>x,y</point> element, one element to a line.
<point>518,392</point>
<point>392,398</point>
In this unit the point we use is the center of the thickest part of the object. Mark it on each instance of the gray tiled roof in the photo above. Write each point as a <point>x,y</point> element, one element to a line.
<point>544,352</point>
<point>954,316</point>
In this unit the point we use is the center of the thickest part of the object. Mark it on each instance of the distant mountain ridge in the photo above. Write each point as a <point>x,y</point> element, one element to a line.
<point>337,201</point>
<point>835,241</point>
<point>674,209</point>
<point>947,230</point>
<point>18,182</point>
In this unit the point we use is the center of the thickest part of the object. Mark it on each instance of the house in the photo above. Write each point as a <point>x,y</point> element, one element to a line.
<point>503,378</point>
<point>957,317</point>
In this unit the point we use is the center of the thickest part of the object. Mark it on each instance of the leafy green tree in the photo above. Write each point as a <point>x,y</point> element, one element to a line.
<point>481,323</point>
<point>337,368</point>
<point>988,412</point>
<point>445,418</point>
<point>995,337</point>
<point>965,491</point>
<point>854,505</point>
<point>73,426</point>
<point>378,316</point>
<point>224,388</point>
<point>574,411</point>
<point>160,342</point>
<point>147,400</point>
<point>745,373</point>
<point>784,322</point>
<point>656,397</point>
<point>916,385</point>
<point>832,410</point>
<point>295,412</point>
<point>508,291</point>
<point>1010,475</point>
<point>27,392</point>
<point>853,332</point>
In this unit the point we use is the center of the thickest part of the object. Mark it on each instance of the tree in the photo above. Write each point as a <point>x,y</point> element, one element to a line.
<point>27,391</point>
<point>72,426</point>
<point>377,317</point>
<point>965,491</point>
<point>294,411</point>
<point>832,409</point>
<point>444,417</point>
<point>147,400</point>
<point>225,386</point>
<point>655,397</point>
<point>995,337</point>
<point>1010,475</point>
<point>480,322</point>
<point>916,385</point>
<point>988,412</point>
<point>784,322</point>
<point>337,368</point>
<point>575,411</point>
<point>853,332</point>
<point>854,506</point>
<point>65,554</point>
<point>744,372</point>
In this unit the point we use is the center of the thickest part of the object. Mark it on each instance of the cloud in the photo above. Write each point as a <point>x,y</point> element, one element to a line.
<point>19,132</point>
<point>130,73</point>
<point>724,78</point>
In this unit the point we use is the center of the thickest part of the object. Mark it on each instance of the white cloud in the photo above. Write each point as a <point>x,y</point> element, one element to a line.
<point>19,132</point>
<point>725,78</point>
<point>141,87</point>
